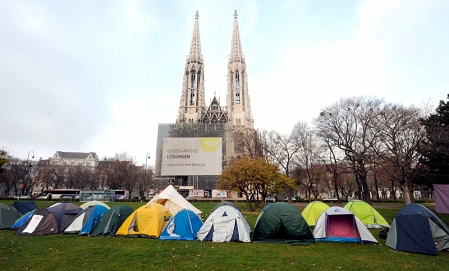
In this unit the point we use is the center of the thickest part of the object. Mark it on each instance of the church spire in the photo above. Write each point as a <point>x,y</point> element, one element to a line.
<point>192,103</point>
<point>195,45</point>
<point>236,46</point>
<point>237,97</point>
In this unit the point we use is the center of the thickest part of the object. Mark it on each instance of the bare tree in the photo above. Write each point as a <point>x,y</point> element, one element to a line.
<point>308,171</point>
<point>250,144</point>
<point>401,134</point>
<point>349,126</point>
<point>281,150</point>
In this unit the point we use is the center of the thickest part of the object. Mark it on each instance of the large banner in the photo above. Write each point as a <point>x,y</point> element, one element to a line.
<point>191,156</point>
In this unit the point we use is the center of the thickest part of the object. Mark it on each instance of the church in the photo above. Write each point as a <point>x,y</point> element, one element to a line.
<point>192,151</point>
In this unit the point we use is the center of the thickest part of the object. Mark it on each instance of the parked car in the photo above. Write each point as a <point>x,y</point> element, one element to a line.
<point>270,199</point>
<point>330,199</point>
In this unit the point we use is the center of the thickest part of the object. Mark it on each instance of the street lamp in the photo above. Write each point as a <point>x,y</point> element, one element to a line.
<point>22,184</point>
<point>145,173</point>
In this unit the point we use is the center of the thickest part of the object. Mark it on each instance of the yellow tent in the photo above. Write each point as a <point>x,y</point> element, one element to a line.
<point>312,211</point>
<point>147,221</point>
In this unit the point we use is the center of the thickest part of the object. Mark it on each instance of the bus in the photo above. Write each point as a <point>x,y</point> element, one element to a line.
<point>121,194</point>
<point>72,194</point>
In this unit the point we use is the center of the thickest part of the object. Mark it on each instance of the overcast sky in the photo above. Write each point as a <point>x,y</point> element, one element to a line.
<point>99,76</point>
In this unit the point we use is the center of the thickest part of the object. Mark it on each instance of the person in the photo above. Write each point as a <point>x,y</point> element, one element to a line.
<point>49,196</point>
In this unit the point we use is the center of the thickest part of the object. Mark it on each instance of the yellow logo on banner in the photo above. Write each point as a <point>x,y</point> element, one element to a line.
<point>210,144</point>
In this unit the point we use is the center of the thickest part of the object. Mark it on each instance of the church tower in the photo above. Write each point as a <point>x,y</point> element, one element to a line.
<point>237,97</point>
<point>192,102</point>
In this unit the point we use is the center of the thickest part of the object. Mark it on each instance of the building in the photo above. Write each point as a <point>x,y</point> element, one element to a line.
<point>89,159</point>
<point>198,124</point>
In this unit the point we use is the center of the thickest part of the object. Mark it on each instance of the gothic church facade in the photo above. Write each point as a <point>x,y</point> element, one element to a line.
<point>196,119</point>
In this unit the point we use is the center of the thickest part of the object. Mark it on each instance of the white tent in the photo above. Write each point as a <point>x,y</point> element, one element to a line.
<point>225,224</point>
<point>173,201</point>
<point>92,203</point>
<point>337,224</point>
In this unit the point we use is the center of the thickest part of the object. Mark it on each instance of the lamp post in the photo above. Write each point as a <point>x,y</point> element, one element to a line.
<point>22,183</point>
<point>145,174</point>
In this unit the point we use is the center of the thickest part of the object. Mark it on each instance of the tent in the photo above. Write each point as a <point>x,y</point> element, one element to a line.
<point>417,229</point>
<point>182,226</point>
<point>111,221</point>
<point>173,201</point>
<point>225,224</point>
<point>50,220</point>
<point>84,221</point>
<point>64,213</point>
<point>312,211</point>
<point>19,222</point>
<point>92,203</point>
<point>281,221</point>
<point>367,214</point>
<point>24,207</point>
<point>228,203</point>
<point>40,223</point>
<point>337,224</point>
<point>8,215</point>
<point>147,221</point>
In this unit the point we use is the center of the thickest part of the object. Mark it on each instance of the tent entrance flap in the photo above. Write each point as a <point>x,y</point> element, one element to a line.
<point>342,225</point>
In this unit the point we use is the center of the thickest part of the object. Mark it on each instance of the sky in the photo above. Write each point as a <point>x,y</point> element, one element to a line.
<point>99,76</point>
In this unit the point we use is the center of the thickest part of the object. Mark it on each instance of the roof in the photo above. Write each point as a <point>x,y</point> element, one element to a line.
<point>74,155</point>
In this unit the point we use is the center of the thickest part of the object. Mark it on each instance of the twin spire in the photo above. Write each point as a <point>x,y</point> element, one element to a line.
<point>195,45</point>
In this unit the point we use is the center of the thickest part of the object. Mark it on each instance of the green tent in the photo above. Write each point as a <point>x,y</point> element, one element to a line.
<point>367,214</point>
<point>111,221</point>
<point>8,216</point>
<point>281,221</point>
<point>312,211</point>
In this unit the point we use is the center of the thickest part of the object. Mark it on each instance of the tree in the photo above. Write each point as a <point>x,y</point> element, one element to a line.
<point>253,177</point>
<point>250,143</point>
<point>308,171</point>
<point>397,151</point>
<point>281,150</point>
<point>118,172</point>
<point>435,149</point>
<point>349,126</point>
<point>3,159</point>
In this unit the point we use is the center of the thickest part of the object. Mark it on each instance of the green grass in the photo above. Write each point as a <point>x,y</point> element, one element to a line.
<point>72,252</point>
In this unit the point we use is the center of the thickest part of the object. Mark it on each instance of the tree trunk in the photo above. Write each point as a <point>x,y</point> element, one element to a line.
<point>407,193</point>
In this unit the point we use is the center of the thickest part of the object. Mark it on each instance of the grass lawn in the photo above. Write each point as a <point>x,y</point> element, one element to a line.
<point>73,252</point>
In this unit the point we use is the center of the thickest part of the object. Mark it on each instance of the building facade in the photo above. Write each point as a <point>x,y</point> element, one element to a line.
<point>88,159</point>
<point>195,119</point>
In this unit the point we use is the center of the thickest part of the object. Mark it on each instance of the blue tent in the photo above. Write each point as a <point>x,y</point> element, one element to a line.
<point>24,207</point>
<point>183,226</point>
<point>417,229</point>
<point>19,222</point>
<point>84,221</point>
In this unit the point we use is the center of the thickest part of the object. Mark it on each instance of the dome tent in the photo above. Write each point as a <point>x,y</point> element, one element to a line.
<point>281,221</point>
<point>173,201</point>
<point>369,216</point>
<point>111,221</point>
<point>225,224</point>
<point>313,211</point>
<point>182,226</point>
<point>8,215</point>
<point>337,224</point>
<point>147,221</point>
<point>84,221</point>
<point>418,229</point>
